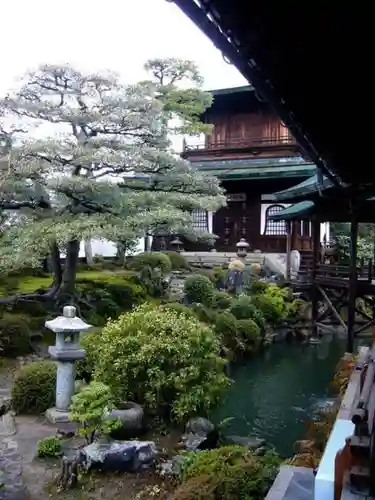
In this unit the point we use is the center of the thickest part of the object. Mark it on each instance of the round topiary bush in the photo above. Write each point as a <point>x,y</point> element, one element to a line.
<point>249,332</point>
<point>199,289</point>
<point>221,300</point>
<point>14,334</point>
<point>153,260</point>
<point>178,261</point>
<point>244,308</point>
<point>229,472</point>
<point>34,388</point>
<point>162,359</point>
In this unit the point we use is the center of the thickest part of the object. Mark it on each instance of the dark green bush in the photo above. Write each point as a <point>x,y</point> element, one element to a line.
<point>178,261</point>
<point>108,298</point>
<point>153,260</point>
<point>221,300</point>
<point>258,286</point>
<point>218,277</point>
<point>14,334</point>
<point>244,308</point>
<point>225,324</point>
<point>34,388</point>
<point>198,289</point>
<point>204,314</point>
<point>230,473</point>
<point>248,333</point>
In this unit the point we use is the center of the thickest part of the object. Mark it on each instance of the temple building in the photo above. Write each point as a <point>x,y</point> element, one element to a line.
<point>254,155</point>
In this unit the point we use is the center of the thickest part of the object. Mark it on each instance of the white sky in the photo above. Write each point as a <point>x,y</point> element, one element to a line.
<point>119,35</point>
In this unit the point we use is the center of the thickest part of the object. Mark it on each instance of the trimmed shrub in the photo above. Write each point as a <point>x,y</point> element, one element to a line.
<point>204,314</point>
<point>230,473</point>
<point>86,366</point>
<point>34,388</point>
<point>258,286</point>
<point>162,359</point>
<point>178,261</point>
<point>249,333</point>
<point>14,334</point>
<point>221,300</point>
<point>244,308</point>
<point>273,303</point>
<point>153,260</point>
<point>225,324</point>
<point>198,289</point>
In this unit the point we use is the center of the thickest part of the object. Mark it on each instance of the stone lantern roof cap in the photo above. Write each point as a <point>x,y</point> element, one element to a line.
<point>68,322</point>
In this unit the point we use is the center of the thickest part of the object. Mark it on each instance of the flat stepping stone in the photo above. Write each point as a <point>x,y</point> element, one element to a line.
<point>11,483</point>
<point>7,425</point>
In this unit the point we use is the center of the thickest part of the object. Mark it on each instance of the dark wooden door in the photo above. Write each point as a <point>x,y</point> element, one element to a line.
<point>239,219</point>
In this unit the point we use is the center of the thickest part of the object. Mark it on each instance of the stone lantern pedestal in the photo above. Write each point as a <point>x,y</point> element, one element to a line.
<point>65,352</point>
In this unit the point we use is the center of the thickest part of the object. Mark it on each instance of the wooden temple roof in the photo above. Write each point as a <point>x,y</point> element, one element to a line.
<point>311,63</point>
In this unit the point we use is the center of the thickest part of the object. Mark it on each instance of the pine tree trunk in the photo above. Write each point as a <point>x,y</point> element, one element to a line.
<point>70,269</point>
<point>55,263</point>
<point>120,254</point>
<point>88,253</point>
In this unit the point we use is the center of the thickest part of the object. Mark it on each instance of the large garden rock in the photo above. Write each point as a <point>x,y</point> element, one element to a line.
<point>199,425</point>
<point>121,456</point>
<point>201,434</point>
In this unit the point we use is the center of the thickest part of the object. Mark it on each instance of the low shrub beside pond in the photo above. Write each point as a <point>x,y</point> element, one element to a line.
<point>165,360</point>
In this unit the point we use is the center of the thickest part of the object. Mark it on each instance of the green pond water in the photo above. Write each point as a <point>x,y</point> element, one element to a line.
<point>276,391</point>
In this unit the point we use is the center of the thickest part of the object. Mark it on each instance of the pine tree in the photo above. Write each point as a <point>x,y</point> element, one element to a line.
<point>96,162</point>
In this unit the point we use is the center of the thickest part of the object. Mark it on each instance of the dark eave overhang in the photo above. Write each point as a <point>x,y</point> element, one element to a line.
<point>278,48</point>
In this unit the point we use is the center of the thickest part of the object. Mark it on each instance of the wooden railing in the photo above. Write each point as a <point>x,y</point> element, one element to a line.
<point>240,143</point>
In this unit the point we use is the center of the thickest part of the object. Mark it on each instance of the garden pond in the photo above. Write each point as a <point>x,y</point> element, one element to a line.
<point>277,391</point>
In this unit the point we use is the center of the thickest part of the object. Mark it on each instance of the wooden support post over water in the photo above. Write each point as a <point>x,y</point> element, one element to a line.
<point>352,282</point>
<point>289,226</point>
<point>314,289</point>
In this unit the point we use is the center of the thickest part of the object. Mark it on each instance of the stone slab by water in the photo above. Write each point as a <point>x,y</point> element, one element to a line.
<point>293,483</point>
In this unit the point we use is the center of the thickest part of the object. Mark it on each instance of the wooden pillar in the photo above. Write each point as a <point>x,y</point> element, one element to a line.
<point>314,289</point>
<point>289,225</point>
<point>352,282</point>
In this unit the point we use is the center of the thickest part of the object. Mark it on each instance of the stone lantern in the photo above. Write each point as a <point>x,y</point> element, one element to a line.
<point>177,245</point>
<point>65,352</point>
<point>242,248</point>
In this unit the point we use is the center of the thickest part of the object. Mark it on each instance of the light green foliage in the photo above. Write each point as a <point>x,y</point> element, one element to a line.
<point>273,303</point>
<point>365,248</point>
<point>230,473</point>
<point>244,308</point>
<point>178,261</point>
<point>165,360</point>
<point>198,289</point>
<point>86,366</point>
<point>49,447</point>
<point>34,388</point>
<point>153,260</point>
<point>77,183</point>
<point>89,408</point>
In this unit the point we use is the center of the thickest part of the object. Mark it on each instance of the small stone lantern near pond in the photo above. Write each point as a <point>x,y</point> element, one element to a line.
<point>65,352</point>
<point>177,245</point>
<point>242,248</point>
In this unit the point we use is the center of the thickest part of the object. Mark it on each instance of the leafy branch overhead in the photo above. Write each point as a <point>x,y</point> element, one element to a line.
<point>86,156</point>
